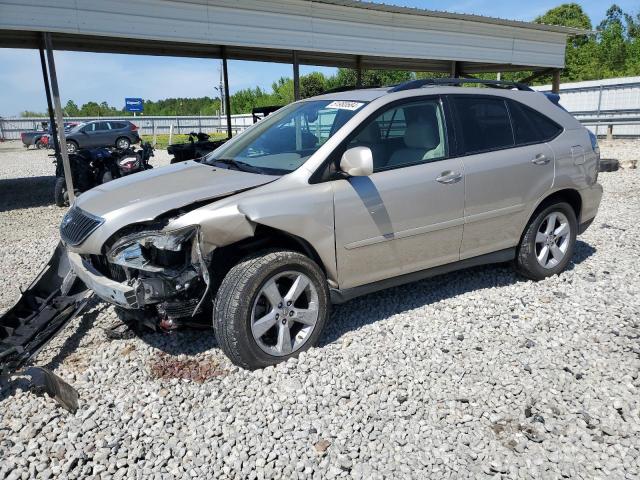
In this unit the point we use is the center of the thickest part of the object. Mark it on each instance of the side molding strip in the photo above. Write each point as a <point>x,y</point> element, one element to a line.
<point>342,296</point>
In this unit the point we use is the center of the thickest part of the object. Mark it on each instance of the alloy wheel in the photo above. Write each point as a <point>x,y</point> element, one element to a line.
<point>552,239</point>
<point>285,313</point>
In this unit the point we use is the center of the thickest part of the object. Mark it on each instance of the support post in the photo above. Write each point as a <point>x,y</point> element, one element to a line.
<point>555,88</point>
<point>455,72</point>
<point>47,91</point>
<point>227,103</point>
<point>296,76</point>
<point>59,118</point>
<point>609,132</point>
<point>359,71</point>
<point>599,109</point>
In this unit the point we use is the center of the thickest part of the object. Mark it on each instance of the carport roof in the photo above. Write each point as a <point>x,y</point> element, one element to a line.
<point>342,33</point>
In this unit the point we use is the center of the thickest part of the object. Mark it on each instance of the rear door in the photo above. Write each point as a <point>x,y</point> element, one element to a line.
<point>508,167</point>
<point>408,215</point>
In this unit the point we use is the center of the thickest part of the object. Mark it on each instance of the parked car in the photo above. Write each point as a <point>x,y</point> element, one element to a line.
<point>334,197</point>
<point>35,137</point>
<point>102,133</point>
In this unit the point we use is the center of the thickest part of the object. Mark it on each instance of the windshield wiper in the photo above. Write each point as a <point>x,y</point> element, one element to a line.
<point>242,166</point>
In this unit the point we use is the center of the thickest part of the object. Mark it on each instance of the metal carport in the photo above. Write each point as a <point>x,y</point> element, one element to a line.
<point>341,33</point>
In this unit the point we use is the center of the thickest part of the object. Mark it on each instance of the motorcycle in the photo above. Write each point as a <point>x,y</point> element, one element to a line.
<point>197,146</point>
<point>92,167</point>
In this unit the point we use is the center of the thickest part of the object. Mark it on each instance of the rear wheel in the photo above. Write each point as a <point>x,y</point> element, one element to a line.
<point>40,145</point>
<point>548,242</point>
<point>270,307</point>
<point>123,143</point>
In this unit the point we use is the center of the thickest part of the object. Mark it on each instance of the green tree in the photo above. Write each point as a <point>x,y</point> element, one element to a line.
<point>312,84</point>
<point>71,109</point>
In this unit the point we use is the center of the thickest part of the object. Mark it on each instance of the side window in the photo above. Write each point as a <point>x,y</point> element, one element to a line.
<point>530,126</point>
<point>89,128</point>
<point>405,135</point>
<point>483,123</point>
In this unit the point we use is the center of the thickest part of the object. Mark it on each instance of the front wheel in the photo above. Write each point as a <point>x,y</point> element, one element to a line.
<point>72,147</point>
<point>271,306</point>
<point>547,244</point>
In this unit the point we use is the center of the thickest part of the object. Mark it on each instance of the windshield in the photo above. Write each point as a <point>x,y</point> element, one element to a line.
<point>284,140</point>
<point>76,128</point>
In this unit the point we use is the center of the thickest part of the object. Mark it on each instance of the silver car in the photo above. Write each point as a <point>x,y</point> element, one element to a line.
<point>334,197</point>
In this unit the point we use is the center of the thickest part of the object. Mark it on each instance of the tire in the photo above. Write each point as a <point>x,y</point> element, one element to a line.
<point>241,300</point>
<point>609,165</point>
<point>123,143</point>
<point>107,177</point>
<point>40,145</point>
<point>60,192</point>
<point>532,261</point>
<point>72,146</point>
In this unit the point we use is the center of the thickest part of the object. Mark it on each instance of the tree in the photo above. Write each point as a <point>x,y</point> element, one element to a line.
<point>71,109</point>
<point>613,42</point>
<point>312,84</point>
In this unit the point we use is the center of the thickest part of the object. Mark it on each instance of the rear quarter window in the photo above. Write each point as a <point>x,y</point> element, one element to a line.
<point>531,126</point>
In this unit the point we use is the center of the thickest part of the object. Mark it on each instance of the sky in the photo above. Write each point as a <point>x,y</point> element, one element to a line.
<point>87,77</point>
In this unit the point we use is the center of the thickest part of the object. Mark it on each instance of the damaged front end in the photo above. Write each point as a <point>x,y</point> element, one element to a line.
<point>160,276</point>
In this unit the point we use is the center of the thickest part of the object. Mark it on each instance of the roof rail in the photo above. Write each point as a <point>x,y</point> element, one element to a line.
<point>413,84</point>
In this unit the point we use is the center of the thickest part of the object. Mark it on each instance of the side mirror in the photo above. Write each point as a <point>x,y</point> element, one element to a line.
<point>357,162</point>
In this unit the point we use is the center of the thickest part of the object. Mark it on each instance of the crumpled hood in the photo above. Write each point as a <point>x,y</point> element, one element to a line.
<point>146,195</point>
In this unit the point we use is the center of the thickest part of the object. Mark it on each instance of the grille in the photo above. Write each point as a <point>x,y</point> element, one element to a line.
<point>77,225</point>
<point>110,270</point>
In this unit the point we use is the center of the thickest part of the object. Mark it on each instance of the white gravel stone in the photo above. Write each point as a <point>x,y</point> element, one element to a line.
<point>475,374</point>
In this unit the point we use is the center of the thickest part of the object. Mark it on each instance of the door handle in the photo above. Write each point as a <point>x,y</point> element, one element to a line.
<point>540,159</point>
<point>449,177</point>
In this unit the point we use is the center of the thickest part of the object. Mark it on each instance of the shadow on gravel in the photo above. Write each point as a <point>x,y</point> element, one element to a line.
<point>185,341</point>
<point>71,344</point>
<point>378,306</point>
<point>28,192</point>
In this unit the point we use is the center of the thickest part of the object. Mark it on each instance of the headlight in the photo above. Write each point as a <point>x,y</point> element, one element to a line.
<point>153,251</point>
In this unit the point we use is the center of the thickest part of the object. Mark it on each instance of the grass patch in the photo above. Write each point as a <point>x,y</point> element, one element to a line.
<point>162,140</point>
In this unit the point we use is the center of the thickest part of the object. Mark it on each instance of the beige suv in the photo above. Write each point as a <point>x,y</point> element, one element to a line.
<point>337,196</point>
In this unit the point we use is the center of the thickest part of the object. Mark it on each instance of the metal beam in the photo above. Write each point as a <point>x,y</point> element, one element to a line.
<point>102,44</point>
<point>60,119</point>
<point>47,91</point>
<point>296,76</point>
<point>227,102</point>
<point>536,75</point>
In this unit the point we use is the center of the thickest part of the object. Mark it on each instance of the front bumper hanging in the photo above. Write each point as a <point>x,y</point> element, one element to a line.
<point>54,298</point>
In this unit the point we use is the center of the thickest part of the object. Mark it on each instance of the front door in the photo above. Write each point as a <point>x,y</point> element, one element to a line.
<point>408,215</point>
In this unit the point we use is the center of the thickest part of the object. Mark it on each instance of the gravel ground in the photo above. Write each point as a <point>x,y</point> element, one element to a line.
<point>476,374</point>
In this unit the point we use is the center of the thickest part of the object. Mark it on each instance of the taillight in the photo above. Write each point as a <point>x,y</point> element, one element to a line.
<point>134,127</point>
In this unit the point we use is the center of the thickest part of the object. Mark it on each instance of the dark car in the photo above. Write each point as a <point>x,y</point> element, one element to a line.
<point>102,133</point>
<point>34,137</point>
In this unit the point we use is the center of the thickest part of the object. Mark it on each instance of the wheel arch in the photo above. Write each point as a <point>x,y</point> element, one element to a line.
<point>265,237</point>
<point>568,195</point>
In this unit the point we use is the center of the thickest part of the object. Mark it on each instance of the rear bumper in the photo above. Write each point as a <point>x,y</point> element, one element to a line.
<point>123,295</point>
<point>591,198</point>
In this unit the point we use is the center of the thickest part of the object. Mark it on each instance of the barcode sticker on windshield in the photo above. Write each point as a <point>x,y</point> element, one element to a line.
<point>345,105</point>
